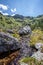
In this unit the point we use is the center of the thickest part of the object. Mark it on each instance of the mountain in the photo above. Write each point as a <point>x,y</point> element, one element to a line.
<point>18,16</point>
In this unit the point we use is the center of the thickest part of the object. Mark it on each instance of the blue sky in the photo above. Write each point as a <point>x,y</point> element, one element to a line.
<point>22,7</point>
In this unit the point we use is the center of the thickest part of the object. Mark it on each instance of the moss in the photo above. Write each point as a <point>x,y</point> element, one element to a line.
<point>27,59</point>
<point>16,36</point>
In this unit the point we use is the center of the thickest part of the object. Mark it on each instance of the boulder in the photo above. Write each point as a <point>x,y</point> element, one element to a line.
<point>9,48</point>
<point>25,30</point>
<point>38,55</point>
<point>25,50</point>
<point>8,43</point>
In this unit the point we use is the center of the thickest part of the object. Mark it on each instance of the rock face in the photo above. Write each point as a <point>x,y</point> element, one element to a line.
<point>25,30</point>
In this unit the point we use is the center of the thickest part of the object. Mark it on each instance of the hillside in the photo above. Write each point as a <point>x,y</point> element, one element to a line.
<point>21,40</point>
<point>17,21</point>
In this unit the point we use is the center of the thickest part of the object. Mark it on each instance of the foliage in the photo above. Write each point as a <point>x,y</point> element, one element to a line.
<point>9,22</point>
<point>31,61</point>
<point>37,36</point>
<point>16,36</point>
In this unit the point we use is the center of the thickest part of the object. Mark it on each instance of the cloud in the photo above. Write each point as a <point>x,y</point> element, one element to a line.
<point>4,13</point>
<point>0,11</point>
<point>4,7</point>
<point>13,10</point>
<point>12,14</point>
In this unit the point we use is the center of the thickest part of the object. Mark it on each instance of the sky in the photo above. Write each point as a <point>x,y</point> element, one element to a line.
<point>22,7</point>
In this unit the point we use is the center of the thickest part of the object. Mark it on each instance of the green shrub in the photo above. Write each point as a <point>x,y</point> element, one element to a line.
<point>37,36</point>
<point>31,61</point>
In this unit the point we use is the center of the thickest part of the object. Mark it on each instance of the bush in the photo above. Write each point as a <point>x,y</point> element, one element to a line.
<point>31,61</point>
<point>37,36</point>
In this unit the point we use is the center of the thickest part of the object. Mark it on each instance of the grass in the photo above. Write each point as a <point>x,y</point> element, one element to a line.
<point>36,36</point>
<point>16,36</point>
<point>31,61</point>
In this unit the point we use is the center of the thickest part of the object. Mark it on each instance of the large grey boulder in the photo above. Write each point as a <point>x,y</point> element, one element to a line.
<point>25,30</point>
<point>39,54</point>
<point>7,42</point>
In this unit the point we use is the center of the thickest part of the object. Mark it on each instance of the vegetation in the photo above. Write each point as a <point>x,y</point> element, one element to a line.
<point>16,36</point>
<point>31,61</point>
<point>37,36</point>
<point>17,21</point>
<point>9,22</point>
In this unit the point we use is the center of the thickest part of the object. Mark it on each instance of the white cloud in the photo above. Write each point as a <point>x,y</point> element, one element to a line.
<point>12,14</point>
<point>5,13</point>
<point>0,11</point>
<point>13,10</point>
<point>4,7</point>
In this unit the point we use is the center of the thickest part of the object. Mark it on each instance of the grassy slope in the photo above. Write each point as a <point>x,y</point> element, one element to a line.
<point>8,22</point>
